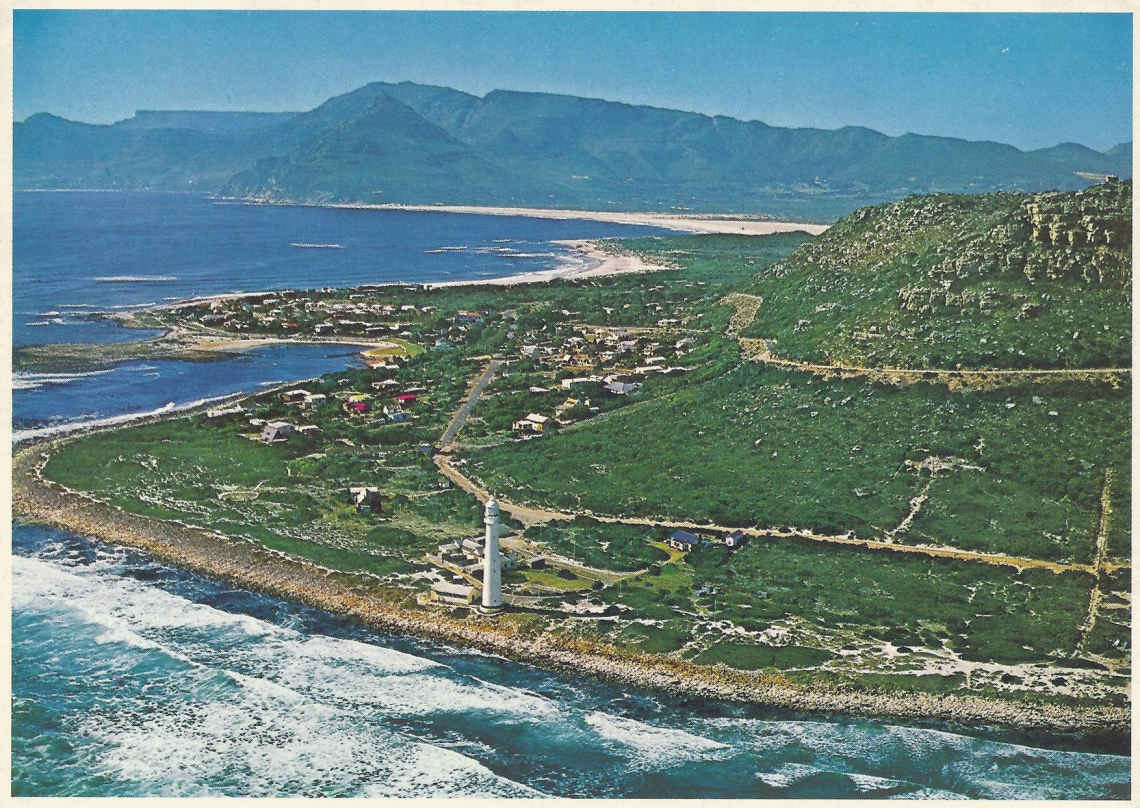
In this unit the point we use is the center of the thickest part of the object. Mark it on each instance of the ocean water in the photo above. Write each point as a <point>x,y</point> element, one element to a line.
<point>45,404</point>
<point>131,678</point>
<point>80,252</point>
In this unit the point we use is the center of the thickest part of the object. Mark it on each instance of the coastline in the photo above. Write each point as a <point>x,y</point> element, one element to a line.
<point>587,260</point>
<point>727,223</point>
<point>386,609</point>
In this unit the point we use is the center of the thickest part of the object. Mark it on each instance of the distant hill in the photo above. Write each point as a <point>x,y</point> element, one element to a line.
<point>1001,280</point>
<point>422,144</point>
<point>215,123</point>
<point>52,152</point>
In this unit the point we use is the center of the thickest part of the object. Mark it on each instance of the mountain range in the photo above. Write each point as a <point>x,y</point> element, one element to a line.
<point>418,144</point>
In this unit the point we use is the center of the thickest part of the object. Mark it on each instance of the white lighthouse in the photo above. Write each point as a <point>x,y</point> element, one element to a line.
<point>492,560</point>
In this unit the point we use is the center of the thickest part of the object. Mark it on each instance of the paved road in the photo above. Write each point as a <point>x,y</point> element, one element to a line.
<point>461,415</point>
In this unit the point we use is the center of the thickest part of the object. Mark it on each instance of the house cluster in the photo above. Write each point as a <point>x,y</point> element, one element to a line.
<point>390,408</point>
<point>592,347</point>
<point>616,359</point>
<point>360,314</point>
<point>686,541</point>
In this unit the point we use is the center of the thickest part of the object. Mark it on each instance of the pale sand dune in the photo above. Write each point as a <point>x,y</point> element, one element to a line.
<point>586,261</point>
<point>690,223</point>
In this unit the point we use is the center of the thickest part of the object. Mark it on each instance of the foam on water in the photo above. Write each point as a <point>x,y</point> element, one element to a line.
<point>120,603</point>
<point>163,692</point>
<point>951,762</point>
<point>34,381</point>
<point>72,426</point>
<point>654,745</point>
<point>135,278</point>
<point>206,729</point>
<point>386,660</point>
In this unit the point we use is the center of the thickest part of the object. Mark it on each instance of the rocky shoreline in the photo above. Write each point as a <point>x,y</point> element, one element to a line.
<point>390,610</point>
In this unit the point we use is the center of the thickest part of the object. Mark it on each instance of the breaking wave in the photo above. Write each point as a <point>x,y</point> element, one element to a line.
<point>73,426</point>
<point>186,688</point>
<point>135,278</point>
<point>34,381</point>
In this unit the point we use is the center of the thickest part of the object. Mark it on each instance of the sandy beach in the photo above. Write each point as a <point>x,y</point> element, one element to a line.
<point>586,260</point>
<point>686,223</point>
<point>737,223</point>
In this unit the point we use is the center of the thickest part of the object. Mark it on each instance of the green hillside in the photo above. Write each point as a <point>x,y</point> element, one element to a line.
<point>998,281</point>
<point>992,281</point>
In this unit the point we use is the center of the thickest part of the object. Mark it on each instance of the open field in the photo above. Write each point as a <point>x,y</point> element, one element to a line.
<point>782,448</point>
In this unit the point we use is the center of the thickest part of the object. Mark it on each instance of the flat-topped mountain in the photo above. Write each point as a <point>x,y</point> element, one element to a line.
<point>412,143</point>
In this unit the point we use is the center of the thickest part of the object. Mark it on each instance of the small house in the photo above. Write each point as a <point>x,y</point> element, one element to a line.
<point>448,548</point>
<point>399,417</point>
<point>533,424</point>
<point>451,593</point>
<point>294,396</point>
<point>622,388</point>
<point>223,412</point>
<point>313,400</point>
<point>407,398</point>
<point>735,539</point>
<point>468,317</point>
<point>357,407</point>
<point>683,540</point>
<point>276,431</point>
<point>365,499</point>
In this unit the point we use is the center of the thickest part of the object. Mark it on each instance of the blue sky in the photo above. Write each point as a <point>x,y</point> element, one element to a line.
<point>1028,79</point>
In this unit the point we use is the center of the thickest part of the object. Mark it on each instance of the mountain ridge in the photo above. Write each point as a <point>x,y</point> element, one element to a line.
<point>534,149</point>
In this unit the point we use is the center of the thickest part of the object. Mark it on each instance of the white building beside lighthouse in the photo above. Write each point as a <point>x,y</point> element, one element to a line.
<point>492,559</point>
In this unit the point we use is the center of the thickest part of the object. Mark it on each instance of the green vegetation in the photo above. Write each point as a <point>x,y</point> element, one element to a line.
<point>992,281</point>
<point>753,657</point>
<point>770,447</point>
<point>598,544</point>
<point>978,611</point>
<point>292,496</point>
